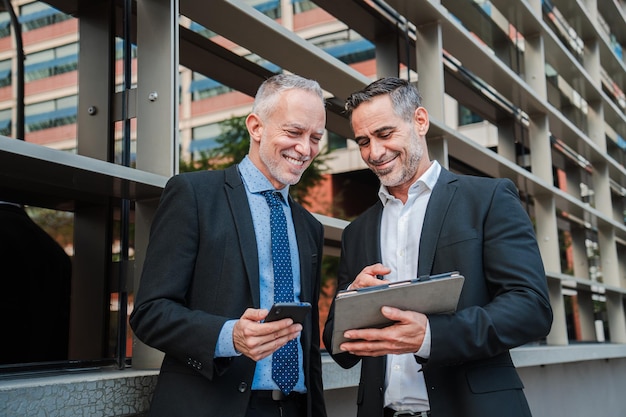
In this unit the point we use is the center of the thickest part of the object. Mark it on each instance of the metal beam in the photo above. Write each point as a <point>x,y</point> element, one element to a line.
<point>275,43</point>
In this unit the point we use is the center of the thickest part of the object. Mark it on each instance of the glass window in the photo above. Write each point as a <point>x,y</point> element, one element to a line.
<point>346,45</point>
<point>51,62</point>
<point>616,148</point>
<point>301,6</point>
<point>5,24</point>
<point>492,28</point>
<point>561,27</point>
<point>5,73</point>
<point>203,87</point>
<point>467,116</point>
<point>45,115</point>
<point>5,122</point>
<point>119,49</point>
<point>203,137</point>
<point>37,14</point>
<point>270,8</point>
<point>564,97</point>
<point>613,90</point>
<point>201,30</point>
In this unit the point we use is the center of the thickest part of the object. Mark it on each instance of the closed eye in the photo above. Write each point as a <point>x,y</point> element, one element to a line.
<point>385,133</point>
<point>362,141</point>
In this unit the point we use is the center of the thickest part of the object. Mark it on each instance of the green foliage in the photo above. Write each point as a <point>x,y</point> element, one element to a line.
<point>58,224</point>
<point>233,144</point>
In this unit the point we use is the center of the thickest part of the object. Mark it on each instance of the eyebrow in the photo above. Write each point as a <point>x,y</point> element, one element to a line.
<point>382,129</point>
<point>300,127</point>
<point>376,132</point>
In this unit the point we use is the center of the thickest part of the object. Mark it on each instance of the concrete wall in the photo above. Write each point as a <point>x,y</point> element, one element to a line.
<point>588,388</point>
<point>573,381</point>
<point>92,393</point>
<point>558,381</point>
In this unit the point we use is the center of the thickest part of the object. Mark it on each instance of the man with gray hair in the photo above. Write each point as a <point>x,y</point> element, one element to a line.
<point>212,273</point>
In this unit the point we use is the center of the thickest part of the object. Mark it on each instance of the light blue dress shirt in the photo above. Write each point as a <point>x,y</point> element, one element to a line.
<point>255,183</point>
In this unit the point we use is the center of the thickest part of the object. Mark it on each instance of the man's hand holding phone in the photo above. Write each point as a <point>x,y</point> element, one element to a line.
<point>297,311</point>
<point>258,334</point>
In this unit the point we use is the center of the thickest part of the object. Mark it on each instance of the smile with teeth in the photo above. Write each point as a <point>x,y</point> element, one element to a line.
<point>294,161</point>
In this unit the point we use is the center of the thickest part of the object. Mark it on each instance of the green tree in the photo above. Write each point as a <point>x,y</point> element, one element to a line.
<point>233,144</point>
<point>58,224</point>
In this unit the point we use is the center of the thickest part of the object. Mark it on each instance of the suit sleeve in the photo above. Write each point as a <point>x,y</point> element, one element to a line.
<point>350,264</point>
<point>161,317</point>
<point>504,303</point>
<point>318,402</point>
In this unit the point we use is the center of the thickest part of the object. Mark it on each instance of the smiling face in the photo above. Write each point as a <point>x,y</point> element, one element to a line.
<point>284,144</point>
<point>393,148</point>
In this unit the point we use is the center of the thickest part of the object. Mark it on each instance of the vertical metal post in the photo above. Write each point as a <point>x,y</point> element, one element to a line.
<point>19,46</point>
<point>157,123</point>
<point>125,203</point>
<point>89,321</point>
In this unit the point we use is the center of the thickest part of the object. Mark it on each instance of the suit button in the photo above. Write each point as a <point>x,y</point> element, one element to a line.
<point>242,387</point>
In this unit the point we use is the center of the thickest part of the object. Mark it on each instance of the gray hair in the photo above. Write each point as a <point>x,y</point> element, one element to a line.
<point>404,96</point>
<point>269,92</point>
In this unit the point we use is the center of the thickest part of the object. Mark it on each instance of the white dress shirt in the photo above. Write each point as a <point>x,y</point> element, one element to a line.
<point>401,229</point>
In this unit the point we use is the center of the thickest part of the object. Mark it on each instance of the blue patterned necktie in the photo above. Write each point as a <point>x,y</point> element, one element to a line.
<point>285,359</point>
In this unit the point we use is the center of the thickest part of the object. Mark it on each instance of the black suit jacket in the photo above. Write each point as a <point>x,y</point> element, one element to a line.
<point>478,227</point>
<point>201,269</point>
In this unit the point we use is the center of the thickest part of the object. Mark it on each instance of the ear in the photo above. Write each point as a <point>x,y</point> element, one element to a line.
<point>421,121</point>
<point>255,127</point>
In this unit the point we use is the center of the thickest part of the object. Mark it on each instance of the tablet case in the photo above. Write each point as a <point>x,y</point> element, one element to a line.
<point>360,309</point>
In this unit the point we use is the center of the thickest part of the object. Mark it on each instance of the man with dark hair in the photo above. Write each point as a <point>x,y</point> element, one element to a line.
<point>430,221</point>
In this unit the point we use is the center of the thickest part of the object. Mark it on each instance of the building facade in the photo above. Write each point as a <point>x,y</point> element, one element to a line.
<point>101,102</point>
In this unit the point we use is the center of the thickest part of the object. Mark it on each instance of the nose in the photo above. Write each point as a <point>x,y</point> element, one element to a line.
<point>377,150</point>
<point>303,146</point>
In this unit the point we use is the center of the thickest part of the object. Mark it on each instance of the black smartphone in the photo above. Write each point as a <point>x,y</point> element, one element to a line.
<point>296,311</point>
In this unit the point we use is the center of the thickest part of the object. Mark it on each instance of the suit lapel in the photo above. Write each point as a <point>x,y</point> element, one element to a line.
<point>438,205</point>
<point>240,209</point>
<point>372,247</point>
<point>304,252</point>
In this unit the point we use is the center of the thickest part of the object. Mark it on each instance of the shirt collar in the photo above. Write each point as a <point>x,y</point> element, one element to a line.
<point>426,182</point>
<point>255,181</point>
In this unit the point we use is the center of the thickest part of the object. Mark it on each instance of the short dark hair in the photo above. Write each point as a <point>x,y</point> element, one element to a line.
<point>404,96</point>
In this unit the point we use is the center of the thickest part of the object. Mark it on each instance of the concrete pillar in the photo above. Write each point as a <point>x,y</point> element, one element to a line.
<point>534,64</point>
<point>92,224</point>
<point>540,148</point>
<point>429,50</point>
<point>157,123</point>
<point>387,60</point>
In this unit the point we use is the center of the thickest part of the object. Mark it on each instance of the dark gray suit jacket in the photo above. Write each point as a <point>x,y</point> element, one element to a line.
<point>201,269</point>
<point>476,226</point>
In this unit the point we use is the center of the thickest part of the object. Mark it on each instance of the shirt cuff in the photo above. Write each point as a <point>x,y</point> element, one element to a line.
<point>225,346</point>
<point>424,350</point>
